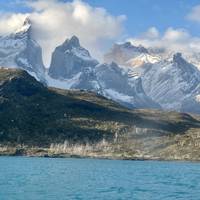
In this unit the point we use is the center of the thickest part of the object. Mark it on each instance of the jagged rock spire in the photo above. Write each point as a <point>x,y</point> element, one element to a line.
<point>70,43</point>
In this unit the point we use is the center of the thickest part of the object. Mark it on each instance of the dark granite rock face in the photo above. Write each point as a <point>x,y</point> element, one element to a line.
<point>69,59</point>
<point>73,63</point>
<point>117,85</point>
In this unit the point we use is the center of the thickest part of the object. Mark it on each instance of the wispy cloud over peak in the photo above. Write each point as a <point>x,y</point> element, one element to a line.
<point>172,40</point>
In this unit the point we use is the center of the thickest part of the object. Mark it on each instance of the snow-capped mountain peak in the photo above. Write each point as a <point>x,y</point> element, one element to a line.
<point>129,46</point>
<point>71,43</point>
<point>69,59</point>
<point>142,59</point>
<point>177,58</point>
<point>173,84</point>
<point>121,53</point>
<point>20,50</point>
<point>25,28</point>
<point>72,46</point>
<point>167,77</point>
<point>185,66</point>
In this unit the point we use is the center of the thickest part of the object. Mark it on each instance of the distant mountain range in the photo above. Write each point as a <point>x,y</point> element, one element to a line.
<point>134,76</point>
<point>172,82</point>
<point>73,66</point>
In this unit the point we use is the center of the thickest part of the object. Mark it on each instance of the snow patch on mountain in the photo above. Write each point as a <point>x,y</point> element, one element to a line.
<point>112,94</point>
<point>197,98</point>
<point>63,83</point>
<point>25,28</point>
<point>81,53</point>
<point>142,59</point>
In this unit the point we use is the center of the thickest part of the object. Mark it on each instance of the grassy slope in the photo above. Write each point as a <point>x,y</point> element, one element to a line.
<point>34,115</point>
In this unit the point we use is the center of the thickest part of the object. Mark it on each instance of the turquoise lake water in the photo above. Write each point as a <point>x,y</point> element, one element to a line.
<point>24,178</point>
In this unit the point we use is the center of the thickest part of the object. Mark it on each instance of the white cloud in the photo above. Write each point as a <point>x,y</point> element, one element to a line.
<point>194,14</point>
<point>176,35</point>
<point>10,22</point>
<point>151,33</point>
<point>54,21</point>
<point>172,40</point>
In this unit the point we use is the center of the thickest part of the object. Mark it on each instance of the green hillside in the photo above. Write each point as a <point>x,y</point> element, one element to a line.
<point>34,116</point>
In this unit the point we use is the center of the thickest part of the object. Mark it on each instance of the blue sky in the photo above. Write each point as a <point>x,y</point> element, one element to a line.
<point>141,14</point>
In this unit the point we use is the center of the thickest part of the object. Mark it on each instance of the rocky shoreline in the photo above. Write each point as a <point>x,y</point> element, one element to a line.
<point>47,153</point>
